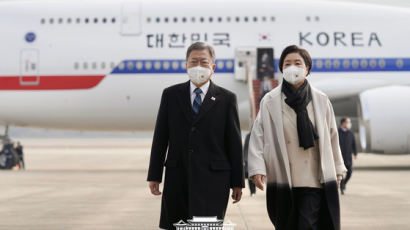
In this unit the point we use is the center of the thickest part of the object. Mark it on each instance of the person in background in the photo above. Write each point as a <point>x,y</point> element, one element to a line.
<point>19,150</point>
<point>348,147</point>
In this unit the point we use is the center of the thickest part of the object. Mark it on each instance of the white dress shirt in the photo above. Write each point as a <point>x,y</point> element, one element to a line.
<point>204,89</point>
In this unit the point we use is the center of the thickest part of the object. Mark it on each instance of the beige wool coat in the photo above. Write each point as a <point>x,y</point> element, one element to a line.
<point>267,155</point>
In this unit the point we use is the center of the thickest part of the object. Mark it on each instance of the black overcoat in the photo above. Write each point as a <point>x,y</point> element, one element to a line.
<point>202,155</point>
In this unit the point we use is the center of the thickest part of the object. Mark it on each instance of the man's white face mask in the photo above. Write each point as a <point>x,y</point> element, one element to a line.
<point>199,75</point>
<point>294,74</point>
<point>349,125</point>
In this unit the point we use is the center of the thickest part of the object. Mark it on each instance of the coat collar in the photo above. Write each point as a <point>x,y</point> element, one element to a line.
<point>273,101</point>
<point>184,98</point>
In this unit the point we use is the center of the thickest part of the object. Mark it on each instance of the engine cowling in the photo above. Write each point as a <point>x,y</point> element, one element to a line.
<point>384,120</point>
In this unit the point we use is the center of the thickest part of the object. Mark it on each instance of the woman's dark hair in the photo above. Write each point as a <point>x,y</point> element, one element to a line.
<point>295,49</point>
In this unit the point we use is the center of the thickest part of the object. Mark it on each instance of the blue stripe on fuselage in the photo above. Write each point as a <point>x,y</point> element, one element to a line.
<point>161,66</point>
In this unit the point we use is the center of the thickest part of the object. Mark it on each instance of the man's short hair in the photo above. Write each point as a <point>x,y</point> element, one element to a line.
<point>201,46</point>
<point>343,120</point>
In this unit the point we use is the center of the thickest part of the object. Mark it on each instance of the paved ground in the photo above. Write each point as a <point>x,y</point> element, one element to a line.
<point>100,184</point>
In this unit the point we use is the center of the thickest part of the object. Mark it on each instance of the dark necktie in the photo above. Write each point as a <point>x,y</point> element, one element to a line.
<point>197,101</point>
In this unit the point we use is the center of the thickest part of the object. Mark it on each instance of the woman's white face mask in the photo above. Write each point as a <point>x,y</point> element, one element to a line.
<point>199,75</point>
<point>294,74</point>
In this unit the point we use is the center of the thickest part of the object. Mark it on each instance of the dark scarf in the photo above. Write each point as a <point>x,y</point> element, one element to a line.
<point>298,99</point>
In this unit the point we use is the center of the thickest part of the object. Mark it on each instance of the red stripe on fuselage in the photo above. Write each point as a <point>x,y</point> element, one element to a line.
<point>49,82</point>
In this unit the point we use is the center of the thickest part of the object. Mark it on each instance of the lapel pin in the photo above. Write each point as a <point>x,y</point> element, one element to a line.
<point>213,99</point>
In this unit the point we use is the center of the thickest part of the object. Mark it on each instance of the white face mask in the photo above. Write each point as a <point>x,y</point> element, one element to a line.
<point>293,74</point>
<point>349,125</point>
<point>199,74</point>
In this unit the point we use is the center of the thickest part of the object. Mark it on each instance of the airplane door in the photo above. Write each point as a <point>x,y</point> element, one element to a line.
<point>131,18</point>
<point>29,70</point>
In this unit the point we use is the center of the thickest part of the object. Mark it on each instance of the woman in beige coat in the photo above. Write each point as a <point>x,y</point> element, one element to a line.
<point>294,144</point>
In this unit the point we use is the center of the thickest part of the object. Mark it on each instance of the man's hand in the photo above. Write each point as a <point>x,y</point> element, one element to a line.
<point>355,157</point>
<point>259,180</point>
<point>236,194</point>
<point>154,186</point>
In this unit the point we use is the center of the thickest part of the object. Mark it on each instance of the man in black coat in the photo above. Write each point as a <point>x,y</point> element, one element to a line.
<point>348,147</point>
<point>197,138</point>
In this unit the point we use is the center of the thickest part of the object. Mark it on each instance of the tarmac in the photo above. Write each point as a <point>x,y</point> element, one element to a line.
<point>100,184</point>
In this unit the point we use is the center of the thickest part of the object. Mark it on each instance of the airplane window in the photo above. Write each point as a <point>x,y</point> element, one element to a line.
<point>85,65</point>
<point>319,64</point>
<point>219,19</point>
<point>184,19</point>
<point>263,19</point>
<point>112,65</point>
<point>346,64</point>
<point>157,65</point>
<point>317,18</point>
<point>373,63</point>
<point>43,21</point>
<point>229,64</point>
<point>102,65</point>
<point>76,65</point>
<point>51,20</point>
<point>69,20</point>
<point>121,66</point>
<point>201,19</point>
<point>175,19</point>
<point>228,19</point>
<point>166,65</point>
<point>87,20</point>
<point>328,64</point>
<point>255,19</point>
<point>130,65</point>
<point>95,20</point>
<point>78,20</point>
<point>363,63</point>
<point>148,65</point>
<point>272,19</point>
<point>211,19</point>
<point>220,64</point>
<point>148,20</point>
<point>183,65</point>
<point>237,19</point>
<point>308,18</point>
<point>113,20</point>
<point>104,20</point>
<point>94,65</point>
<point>139,65</point>
<point>399,63</point>
<point>158,20</point>
<point>246,19</point>
<point>166,20</point>
<point>60,20</point>
<point>175,65</point>
<point>336,63</point>
<point>193,19</point>
<point>355,64</point>
<point>382,63</point>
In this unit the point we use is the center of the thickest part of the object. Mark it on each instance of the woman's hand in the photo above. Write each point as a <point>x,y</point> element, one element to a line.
<point>339,180</point>
<point>259,180</point>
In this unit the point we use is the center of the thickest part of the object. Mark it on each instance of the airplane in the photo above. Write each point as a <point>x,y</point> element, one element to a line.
<point>102,65</point>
